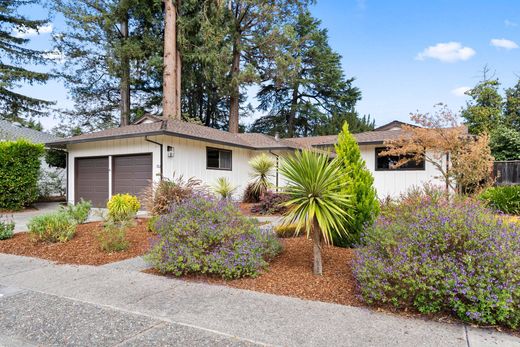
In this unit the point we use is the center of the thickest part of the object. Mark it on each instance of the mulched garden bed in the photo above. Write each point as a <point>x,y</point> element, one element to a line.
<point>245,208</point>
<point>291,274</point>
<point>83,248</point>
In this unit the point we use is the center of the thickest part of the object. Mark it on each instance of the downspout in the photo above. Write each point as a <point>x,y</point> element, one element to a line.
<point>67,177</point>
<point>160,156</point>
<point>277,163</point>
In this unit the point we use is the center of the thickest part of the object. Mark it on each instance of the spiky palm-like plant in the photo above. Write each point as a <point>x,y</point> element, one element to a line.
<point>316,202</point>
<point>262,166</point>
<point>224,188</point>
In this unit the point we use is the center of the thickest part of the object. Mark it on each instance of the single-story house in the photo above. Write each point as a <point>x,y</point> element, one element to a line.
<point>126,159</point>
<point>12,131</point>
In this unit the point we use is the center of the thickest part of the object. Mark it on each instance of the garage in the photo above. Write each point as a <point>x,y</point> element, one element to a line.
<point>131,173</point>
<point>92,180</point>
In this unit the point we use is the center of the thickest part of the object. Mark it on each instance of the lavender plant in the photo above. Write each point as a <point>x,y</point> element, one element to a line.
<point>456,257</point>
<point>203,235</point>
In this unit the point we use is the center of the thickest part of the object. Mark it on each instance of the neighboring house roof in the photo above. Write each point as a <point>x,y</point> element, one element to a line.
<point>9,131</point>
<point>393,125</point>
<point>182,129</point>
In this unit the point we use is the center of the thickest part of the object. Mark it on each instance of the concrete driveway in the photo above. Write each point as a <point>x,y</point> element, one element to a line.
<point>45,304</point>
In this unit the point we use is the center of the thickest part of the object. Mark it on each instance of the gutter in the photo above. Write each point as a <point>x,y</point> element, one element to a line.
<point>161,151</point>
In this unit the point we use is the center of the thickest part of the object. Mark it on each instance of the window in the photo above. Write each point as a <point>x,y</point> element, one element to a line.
<point>219,159</point>
<point>387,162</point>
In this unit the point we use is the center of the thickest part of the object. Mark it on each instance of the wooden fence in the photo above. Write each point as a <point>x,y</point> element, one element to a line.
<point>506,173</point>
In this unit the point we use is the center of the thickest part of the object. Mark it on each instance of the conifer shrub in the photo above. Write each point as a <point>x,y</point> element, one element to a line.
<point>359,186</point>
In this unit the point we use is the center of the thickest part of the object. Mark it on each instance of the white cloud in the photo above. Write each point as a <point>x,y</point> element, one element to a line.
<point>55,55</point>
<point>509,23</point>
<point>449,52</point>
<point>504,43</point>
<point>460,91</point>
<point>23,32</point>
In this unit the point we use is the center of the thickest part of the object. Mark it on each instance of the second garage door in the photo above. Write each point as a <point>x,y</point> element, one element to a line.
<point>92,180</point>
<point>131,173</point>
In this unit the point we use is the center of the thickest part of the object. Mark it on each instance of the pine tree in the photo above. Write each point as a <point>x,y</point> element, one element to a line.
<point>484,112</point>
<point>14,53</point>
<point>112,59</point>
<point>359,187</point>
<point>306,92</point>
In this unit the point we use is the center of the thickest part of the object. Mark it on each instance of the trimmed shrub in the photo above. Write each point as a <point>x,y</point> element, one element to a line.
<point>19,172</point>
<point>78,212</point>
<point>6,229</point>
<point>503,198</point>
<point>204,235</point>
<point>122,207</point>
<point>359,187</point>
<point>52,227</point>
<point>285,231</point>
<point>159,196</point>
<point>113,236</point>
<point>271,203</point>
<point>454,257</point>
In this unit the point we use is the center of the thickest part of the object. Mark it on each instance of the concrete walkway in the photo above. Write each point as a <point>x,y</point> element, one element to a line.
<point>42,303</point>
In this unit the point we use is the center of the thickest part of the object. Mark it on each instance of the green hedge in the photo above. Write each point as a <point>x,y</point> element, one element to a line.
<point>19,172</point>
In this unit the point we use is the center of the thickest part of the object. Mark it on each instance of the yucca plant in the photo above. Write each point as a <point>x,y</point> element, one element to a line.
<point>262,166</point>
<point>316,202</point>
<point>224,188</point>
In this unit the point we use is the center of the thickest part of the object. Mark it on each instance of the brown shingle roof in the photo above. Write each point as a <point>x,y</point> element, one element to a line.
<point>200,132</point>
<point>186,130</point>
<point>369,137</point>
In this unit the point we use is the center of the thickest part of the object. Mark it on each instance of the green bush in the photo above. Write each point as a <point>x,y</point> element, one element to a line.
<point>113,236</point>
<point>204,235</point>
<point>285,231</point>
<point>52,227</point>
<point>6,229</point>
<point>152,224</point>
<point>440,256</point>
<point>122,207</point>
<point>503,198</point>
<point>19,172</point>
<point>79,212</point>
<point>56,158</point>
<point>359,186</point>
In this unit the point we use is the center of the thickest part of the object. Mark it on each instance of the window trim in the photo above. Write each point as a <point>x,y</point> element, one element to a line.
<point>422,168</point>
<point>219,150</point>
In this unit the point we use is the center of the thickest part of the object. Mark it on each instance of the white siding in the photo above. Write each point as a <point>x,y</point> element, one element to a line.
<point>394,182</point>
<point>107,148</point>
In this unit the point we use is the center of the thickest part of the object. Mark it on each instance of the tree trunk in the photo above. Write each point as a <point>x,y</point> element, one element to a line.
<point>316,238</point>
<point>125,77</point>
<point>292,113</point>
<point>234,99</point>
<point>178,72</point>
<point>170,61</point>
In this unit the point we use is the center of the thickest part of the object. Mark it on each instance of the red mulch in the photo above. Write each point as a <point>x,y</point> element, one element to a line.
<point>83,248</point>
<point>290,274</point>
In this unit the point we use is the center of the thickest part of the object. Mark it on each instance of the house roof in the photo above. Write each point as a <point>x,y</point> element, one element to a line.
<point>154,125</point>
<point>182,129</point>
<point>9,131</point>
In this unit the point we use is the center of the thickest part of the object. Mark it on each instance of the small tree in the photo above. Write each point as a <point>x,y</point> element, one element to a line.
<point>358,183</point>
<point>440,137</point>
<point>316,202</point>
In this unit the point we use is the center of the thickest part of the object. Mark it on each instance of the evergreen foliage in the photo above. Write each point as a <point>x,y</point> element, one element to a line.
<point>19,172</point>
<point>14,57</point>
<point>359,185</point>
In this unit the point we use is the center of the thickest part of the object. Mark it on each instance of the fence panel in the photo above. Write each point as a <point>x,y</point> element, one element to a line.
<point>506,173</point>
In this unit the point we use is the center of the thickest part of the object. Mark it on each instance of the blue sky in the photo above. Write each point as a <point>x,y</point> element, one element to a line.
<point>406,55</point>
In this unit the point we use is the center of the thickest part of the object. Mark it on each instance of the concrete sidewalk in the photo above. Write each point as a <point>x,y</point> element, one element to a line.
<point>48,304</point>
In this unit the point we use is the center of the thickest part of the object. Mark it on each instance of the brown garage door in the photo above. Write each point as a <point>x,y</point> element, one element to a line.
<point>131,173</point>
<point>91,177</point>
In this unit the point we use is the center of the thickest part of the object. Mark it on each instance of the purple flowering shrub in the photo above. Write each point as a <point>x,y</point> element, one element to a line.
<point>444,256</point>
<point>203,235</point>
